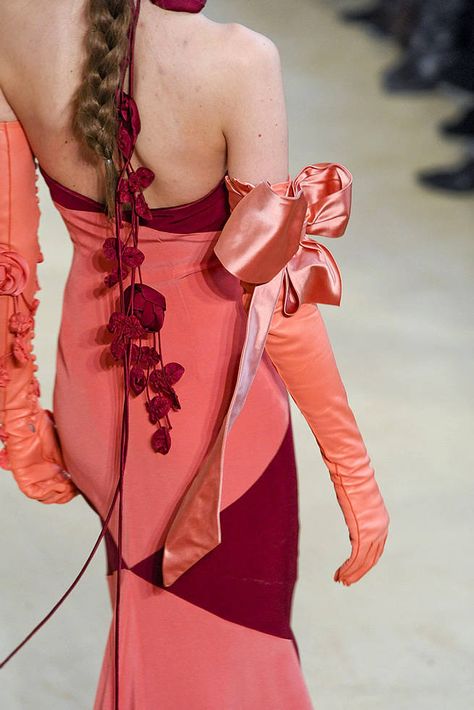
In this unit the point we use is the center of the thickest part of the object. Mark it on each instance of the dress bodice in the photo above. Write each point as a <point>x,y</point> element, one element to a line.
<point>206,214</point>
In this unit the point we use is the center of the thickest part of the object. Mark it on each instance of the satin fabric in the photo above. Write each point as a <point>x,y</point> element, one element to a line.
<point>181,5</point>
<point>301,351</point>
<point>318,202</point>
<point>31,448</point>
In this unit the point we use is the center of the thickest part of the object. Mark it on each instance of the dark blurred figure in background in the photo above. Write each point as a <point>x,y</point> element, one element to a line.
<point>437,41</point>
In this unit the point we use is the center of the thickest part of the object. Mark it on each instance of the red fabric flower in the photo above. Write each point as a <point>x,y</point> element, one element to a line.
<point>149,306</point>
<point>113,277</point>
<point>144,356</point>
<point>129,127</point>
<point>162,382</point>
<point>109,247</point>
<point>129,326</point>
<point>174,372</point>
<point>124,328</point>
<point>142,208</point>
<point>141,179</point>
<point>132,257</point>
<point>124,192</point>
<point>14,272</point>
<point>130,190</point>
<point>161,440</point>
<point>137,379</point>
<point>157,408</point>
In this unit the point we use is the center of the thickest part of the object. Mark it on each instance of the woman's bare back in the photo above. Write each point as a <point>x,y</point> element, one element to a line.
<point>210,96</point>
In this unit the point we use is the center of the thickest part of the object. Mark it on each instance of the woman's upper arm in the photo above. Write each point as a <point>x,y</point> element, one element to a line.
<point>255,122</point>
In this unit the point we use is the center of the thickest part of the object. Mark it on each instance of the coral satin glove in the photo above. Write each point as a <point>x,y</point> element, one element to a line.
<point>300,349</point>
<point>31,447</point>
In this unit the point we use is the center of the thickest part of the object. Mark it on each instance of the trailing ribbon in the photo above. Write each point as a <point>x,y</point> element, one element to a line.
<point>264,243</point>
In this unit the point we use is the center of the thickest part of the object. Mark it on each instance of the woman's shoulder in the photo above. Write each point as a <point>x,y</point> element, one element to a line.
<point>242,44</point>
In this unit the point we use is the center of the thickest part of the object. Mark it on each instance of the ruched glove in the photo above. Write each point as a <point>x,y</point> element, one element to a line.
<point>31,449</point>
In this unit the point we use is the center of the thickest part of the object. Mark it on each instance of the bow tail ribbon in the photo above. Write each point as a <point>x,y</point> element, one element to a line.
<point>312,276</point>
<point>195,529</point>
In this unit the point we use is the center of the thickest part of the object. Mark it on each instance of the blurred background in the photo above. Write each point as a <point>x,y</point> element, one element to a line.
<point>387,89</point>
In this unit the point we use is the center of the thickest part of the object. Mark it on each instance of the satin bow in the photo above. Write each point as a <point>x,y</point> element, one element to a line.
<point>267,232</point>
<point>264,243</point>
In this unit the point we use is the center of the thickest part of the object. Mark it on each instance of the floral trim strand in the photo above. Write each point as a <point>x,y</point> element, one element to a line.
<point>143,306</point>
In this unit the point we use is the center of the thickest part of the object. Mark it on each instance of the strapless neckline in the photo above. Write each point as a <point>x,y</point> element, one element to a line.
<point>206,213</point>
<point>61,190</point>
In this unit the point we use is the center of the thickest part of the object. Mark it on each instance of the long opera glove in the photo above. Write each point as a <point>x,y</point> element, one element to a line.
<point>31,447</point>
<point>301,351</point>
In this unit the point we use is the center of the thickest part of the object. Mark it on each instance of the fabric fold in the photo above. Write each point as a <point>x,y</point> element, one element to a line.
<point>263,243</point>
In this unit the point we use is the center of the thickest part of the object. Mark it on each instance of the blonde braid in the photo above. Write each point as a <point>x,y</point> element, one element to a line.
<point>95,118</point>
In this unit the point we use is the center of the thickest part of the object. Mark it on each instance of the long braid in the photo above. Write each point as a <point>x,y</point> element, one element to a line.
<point>95,118</point>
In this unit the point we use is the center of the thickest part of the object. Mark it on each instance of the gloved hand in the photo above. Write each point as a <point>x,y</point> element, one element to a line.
<point>299,347</point>
<point>31,446</point>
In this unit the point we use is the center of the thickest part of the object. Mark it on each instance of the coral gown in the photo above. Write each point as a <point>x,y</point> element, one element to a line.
<point>220,636</point>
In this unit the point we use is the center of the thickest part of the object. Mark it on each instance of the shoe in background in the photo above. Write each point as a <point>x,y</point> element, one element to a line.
<point>461,125</point>
<point>458,178</point>
<point>434,46</point>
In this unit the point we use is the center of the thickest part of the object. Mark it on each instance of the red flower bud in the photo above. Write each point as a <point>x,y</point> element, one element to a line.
<point>149,306</point>
<point>132,257</point>
<point>157,408</point>
<point>137,380</point>
<point>161,441</point>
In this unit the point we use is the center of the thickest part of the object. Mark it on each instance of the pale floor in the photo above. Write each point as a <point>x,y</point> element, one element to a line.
<point>402,637</point>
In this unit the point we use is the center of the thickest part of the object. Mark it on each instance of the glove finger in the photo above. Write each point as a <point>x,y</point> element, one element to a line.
<point>48,498</point>
<point>58,498</point>
<point>369,562</point>
<point>350,570</point>
<point>359,552</point>
<point>41,490</point>
<point>59,493</point>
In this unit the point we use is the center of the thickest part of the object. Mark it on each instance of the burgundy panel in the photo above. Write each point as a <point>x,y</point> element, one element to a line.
<point>249,578</point>
<point>206,214</point>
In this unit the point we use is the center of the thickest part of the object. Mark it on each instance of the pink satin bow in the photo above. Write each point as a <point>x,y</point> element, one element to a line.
<point>264,243</point>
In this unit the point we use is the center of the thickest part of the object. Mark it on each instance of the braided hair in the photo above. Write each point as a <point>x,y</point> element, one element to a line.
<point>95,115</point>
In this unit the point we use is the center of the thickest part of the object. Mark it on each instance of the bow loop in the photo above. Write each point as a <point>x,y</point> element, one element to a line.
<point>262,233</point>
<point>266,232</point>
<point>327,188</point>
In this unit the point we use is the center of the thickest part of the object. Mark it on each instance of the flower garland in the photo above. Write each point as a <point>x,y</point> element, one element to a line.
<point>143,307</point>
